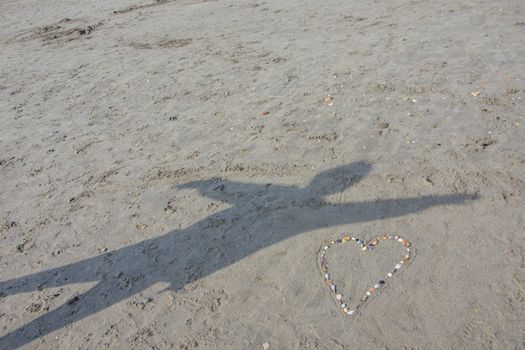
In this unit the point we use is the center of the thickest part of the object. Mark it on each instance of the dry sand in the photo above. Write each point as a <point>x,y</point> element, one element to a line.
<point>169,171</point>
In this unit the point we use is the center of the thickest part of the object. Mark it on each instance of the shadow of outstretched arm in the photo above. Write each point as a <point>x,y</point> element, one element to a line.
<point>350,213</point>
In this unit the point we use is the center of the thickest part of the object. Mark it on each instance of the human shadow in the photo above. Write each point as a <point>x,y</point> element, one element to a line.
<point>260,215</point>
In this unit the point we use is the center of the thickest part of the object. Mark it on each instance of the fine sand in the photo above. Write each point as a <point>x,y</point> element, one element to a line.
<point>169,171</point>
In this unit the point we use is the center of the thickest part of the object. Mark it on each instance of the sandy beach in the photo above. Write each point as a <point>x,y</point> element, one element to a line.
<point>170,170</point>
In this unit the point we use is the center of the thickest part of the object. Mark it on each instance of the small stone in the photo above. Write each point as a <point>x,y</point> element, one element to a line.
<point>346,309</point>
<point>266,346</point>
<point>326,276</point>
<point>381,282</point>
<point>328,99</point>
<point>376,286</point>
<point>73,300</point>
<point>368,293</point>
<point>383,125</point>
<point>332,287</point>
<point>141,226</point>
<point>406,243</point>
<point>351,312</point>
<point>390,274</point>
<point>400,239</point>
<point>343,305</point>
<point>372,290</point>
<point>146,300</point>
<point>339,296</point>
<point>398,266</point>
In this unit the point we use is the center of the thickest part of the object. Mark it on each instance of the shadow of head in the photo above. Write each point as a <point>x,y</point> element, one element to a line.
<point>339,178</point>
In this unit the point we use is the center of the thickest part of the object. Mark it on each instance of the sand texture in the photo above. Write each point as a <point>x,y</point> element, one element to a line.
<point>169,171</point>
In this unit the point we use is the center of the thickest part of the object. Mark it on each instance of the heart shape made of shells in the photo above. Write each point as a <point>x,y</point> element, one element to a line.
<point>338,296</point>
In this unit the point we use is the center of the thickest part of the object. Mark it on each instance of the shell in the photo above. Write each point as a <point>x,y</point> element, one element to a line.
<point>364,247</point>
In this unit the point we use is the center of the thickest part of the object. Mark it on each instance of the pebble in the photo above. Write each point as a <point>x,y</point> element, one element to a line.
<point>370,246</point>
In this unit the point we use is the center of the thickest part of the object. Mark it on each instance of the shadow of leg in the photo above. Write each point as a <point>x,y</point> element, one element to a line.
<point>82,271</point>
<point>101,296</point>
